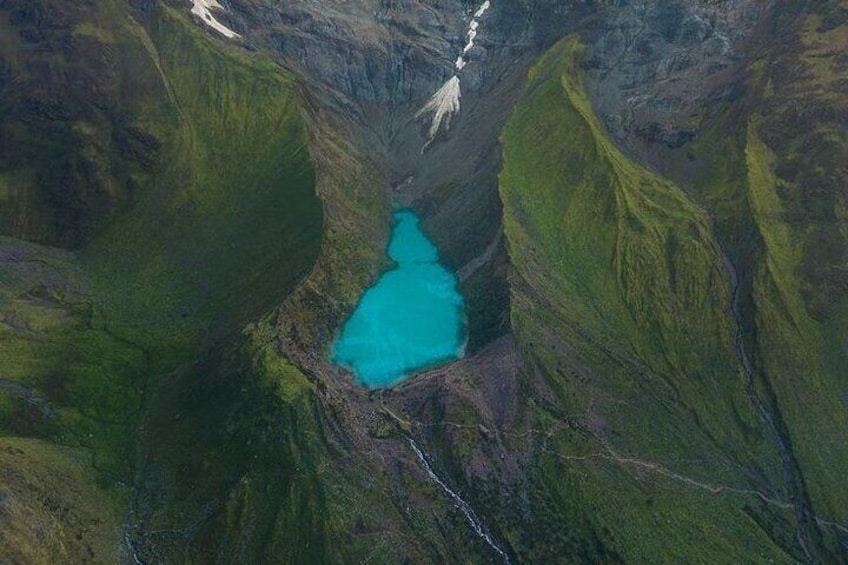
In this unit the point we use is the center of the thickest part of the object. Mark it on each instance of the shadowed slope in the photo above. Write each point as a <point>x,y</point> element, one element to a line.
<point>209,218</point>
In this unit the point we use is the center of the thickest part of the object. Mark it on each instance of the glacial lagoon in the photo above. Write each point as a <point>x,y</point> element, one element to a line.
<point>412,318</point>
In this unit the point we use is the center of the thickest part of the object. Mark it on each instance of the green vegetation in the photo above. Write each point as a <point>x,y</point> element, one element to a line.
<point>621,265</point>
<point>622,300</point>
<point>230,222</point>
<point>51,510</point>
<point>769,170</point>
<point>799,354</point>
<point>210,444</point>
<point>64,380</point>
<point>799,209</point>
<point>208,217</point>
<point>238,431</point>
<point>621,253</point>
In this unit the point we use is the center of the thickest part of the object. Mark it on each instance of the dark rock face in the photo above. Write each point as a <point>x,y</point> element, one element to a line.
<point>655,66</point>
<point>358,53</point>
<point>658,69</point>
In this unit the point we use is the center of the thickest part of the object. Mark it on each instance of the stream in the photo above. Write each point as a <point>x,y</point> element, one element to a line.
<point>459,503</point>
<point>789,474</point>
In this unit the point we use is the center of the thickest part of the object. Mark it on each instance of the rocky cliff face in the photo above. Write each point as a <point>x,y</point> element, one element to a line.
<point>657,71</point>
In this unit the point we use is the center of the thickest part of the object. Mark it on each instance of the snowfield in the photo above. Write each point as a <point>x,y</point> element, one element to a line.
<point>202,9</point>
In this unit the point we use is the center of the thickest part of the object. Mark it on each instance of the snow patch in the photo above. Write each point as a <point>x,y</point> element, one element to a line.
<point>202,9</point>
<point>443,105</point>
<point>445,102</point>
<point>472,33</point>
<point>482,9</point>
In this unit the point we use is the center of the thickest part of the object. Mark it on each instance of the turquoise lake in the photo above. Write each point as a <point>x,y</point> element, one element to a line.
<point>412,317</point>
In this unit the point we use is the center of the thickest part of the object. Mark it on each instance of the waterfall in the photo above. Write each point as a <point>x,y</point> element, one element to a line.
<point>459,503</point>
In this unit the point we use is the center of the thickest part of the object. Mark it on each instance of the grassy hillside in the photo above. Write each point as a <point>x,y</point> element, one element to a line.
<point>247,460</point>
<point>138,356</point>
<point>797,187</point>
<point>83,120</point>
<point>174,262</point>
<point>622,299</point>
<point>51,510</point>
<point>771,169</point>
<point>185,188</point>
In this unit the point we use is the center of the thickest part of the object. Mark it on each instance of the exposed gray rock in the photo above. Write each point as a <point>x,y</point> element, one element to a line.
<point>656,70</point>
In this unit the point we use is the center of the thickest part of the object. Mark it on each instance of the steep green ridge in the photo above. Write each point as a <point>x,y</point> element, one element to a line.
<point>623,254</point>
<point>82,118</point>
<point>241,471</point>
<point>797,189</point>
<point>771,168</point>
<point>629,293</point>
<point>195,213</point>
<point>357,220</point>
<point>623,302</point>
<point>230,220</point>
<point>131,348</point>
<point>798,354</point>
<point>674,391</point>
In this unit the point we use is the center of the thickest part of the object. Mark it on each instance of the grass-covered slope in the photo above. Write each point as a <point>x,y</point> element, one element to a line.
<point>177,170</point>
<point>798,189</point>
<point>51,511</point>
<point>772,170</point>
<point>139,353</point>
<point>661,443</point>
<point>230,220</point>
<point>81,102</point>
<point>246,460</point>
<point>629,265</point>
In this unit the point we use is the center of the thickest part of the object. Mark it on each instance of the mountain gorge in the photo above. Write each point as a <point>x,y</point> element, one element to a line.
<point>645,203</point>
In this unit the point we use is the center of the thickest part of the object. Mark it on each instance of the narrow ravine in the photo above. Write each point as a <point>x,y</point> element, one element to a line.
<point>459,503</point>
<point>796,493</point>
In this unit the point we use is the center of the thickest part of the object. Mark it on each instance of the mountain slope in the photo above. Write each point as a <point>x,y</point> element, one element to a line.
<point>622,299</point>
<point>184,185</point>
<point>688,357</point>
